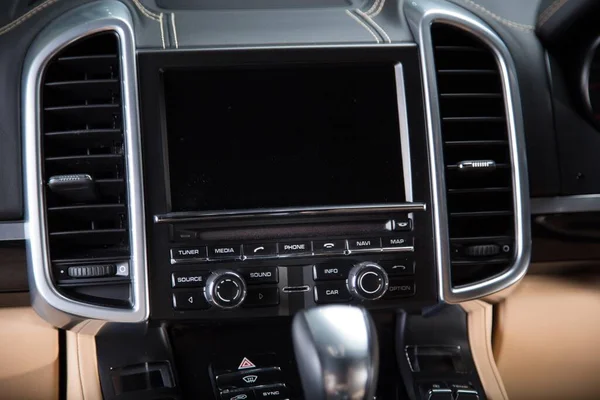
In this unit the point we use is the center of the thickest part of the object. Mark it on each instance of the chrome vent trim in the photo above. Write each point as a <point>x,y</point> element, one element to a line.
<point>83,21</point>
<point>421,14</point>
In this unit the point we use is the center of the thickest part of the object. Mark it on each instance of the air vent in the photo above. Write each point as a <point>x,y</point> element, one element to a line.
<point>478,171</point>
<point>84,165</point>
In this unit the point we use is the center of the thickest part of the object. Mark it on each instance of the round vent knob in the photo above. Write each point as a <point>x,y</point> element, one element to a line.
<point>225,289</point>
<point>368,281</point>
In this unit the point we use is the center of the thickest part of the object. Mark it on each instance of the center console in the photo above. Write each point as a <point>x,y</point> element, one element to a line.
<point>199,198</point>
<point>282,179</point>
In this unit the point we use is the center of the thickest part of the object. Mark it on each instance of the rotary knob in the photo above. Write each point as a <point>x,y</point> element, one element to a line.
<point>225,289</point>
<point>368,281</point>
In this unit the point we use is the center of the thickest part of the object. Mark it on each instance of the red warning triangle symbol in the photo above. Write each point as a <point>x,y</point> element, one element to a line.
<point>245,364</point>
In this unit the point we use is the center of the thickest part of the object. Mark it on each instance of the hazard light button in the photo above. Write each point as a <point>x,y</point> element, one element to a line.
<point>242,362</point>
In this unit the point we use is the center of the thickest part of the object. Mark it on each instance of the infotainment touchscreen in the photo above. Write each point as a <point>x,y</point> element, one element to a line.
<point>265,137</point>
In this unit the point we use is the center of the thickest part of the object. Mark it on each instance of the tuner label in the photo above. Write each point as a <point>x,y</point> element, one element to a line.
<point>188,253</point>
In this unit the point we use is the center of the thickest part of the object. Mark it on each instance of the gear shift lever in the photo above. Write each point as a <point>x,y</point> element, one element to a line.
<point>337,353</point>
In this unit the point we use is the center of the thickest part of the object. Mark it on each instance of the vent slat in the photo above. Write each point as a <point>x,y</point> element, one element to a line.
<point>480,214</point>
<point>86,137</point>
<point>472,110</point>
<point>468,72</point>
<point>82,133</point>
<point>474,119</point>
<point>471,95</point>
<point>480,190</point>
<point>483,239</point>
<point>476,143</point>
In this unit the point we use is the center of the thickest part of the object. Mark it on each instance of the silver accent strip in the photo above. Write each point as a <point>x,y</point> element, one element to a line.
<point>287,212</point>
<point>100,16</point>
<point>12,231</point>
<point>565,204</point>
<point>404,137</point>
<point>404,249</point>
<point>296,289</point>
<point>420,15</point>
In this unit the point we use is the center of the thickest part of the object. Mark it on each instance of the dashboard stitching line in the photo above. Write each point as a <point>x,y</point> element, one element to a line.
<point>145,11</point>
<point>551,10</point>
<point>373,7</point>
<point>377,27</point>
<point>174,30</point>
<point>162,31</point>
<point>10,26</point>
<point>507,22</point>
<point>354,17</point>
<point>378,10</point>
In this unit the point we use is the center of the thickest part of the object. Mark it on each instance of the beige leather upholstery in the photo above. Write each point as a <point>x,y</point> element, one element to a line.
<point>83,381</point>
<point>479,323</point>
<point>547,339</point>
<point>29,360</point>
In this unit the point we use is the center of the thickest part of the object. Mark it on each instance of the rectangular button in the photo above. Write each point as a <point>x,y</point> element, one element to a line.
<point>337,246</point>
<point>246,394</point>
<point>331,292</point>
<point>192,253</point>
<point>295,248</point>
<point>403,225</point>
<point>189,279</point>
<point>259,274</point>
<point>262,297</point>
<point>391,242</point>
<point>220,252</point>
<point>259,250</point>
<point>332,270</point>
<point>231,363</point>
<point>400,288</point>
<point>274,392</point>
<point>364,244</point>
<point>399,266</point>
<point>252,377</point>
<point>189,300</point>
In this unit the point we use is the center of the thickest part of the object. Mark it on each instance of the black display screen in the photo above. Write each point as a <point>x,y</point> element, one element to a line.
<point>301,136</point>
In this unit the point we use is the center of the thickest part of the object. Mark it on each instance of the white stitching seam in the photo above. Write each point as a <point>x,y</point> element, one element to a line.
<point>373,7</point>
<point>378,10</point>
<point>12,25</point>
<point>512,24</point>
<point>174,30</point>
<point>162,31</point>
<point>354,17</point>
<point>145,11</point>
<point>550,11</point>
<point>375,25</point>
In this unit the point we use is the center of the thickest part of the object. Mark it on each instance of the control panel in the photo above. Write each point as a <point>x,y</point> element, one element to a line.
<point>204,279</point>
<point>253,377</point>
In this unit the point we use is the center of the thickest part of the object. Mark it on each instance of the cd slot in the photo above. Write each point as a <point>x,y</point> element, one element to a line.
<point>262,231</point>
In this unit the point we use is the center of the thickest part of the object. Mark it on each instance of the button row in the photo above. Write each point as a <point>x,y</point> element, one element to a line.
<point>271,392</point>
<point>290,249</point>
<point>339,269</point>
<point>337,292</point>
<point>255,297</point>
<point>252,275</point>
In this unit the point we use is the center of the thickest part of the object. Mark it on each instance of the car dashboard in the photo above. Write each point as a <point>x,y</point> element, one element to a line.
<point>181,178</point>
